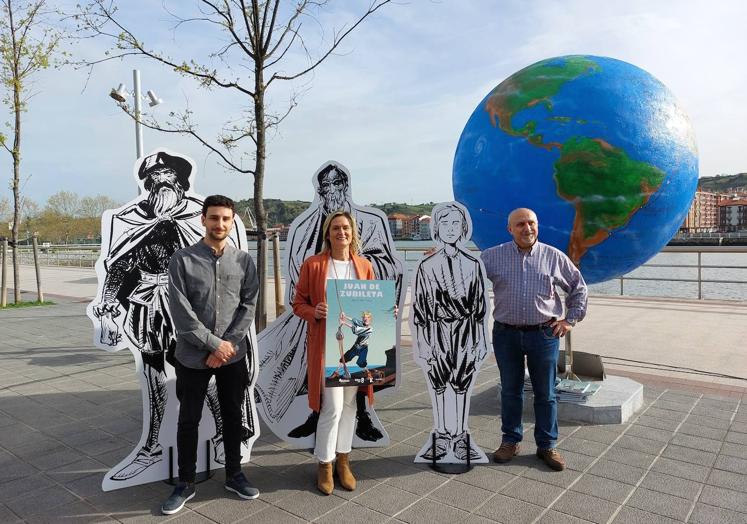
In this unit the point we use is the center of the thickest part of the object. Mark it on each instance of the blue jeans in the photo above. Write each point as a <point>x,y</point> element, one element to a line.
<point>540,348</point>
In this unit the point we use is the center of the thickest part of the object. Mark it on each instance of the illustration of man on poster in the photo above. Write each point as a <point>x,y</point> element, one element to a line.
<point>281,386</point>
<point>449,325</point>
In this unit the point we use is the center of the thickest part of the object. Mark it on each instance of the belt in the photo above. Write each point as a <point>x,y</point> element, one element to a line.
<point>529,327</point>
<point>160,279</point>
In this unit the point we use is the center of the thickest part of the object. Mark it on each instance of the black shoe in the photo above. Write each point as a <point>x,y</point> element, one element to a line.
<point>240,485</point>
<point>307,428</point>
<point>181,494</point>
<point>144,459</point>
<point>365,428</point>
<point>443,440</point>
<point>461,450</point>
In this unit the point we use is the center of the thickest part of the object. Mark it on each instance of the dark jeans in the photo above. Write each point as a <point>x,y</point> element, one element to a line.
<point>191,387</point>
<point>357,351</point>
<point>540,348</point>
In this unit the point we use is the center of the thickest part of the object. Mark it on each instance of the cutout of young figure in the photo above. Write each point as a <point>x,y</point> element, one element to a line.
<point>449,326</point>
<point>281,386</point>
<point>131,311</point>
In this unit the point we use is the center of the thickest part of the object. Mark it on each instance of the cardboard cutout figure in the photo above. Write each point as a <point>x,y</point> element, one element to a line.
<point>449,327</point>
<point>131,311</point>
<point>281,386</point>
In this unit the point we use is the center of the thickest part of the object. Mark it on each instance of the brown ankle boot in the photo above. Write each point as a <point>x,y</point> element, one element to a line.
<point>347,480</point>
<point>324,482</point>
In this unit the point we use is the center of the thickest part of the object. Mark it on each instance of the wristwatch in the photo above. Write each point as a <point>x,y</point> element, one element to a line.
<point>571,321</point>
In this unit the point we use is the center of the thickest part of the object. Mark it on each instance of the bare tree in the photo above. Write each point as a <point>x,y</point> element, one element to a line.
<point>257,39</point>
<point>27,46</point>
<point>64,203</point>
<point>94,207</point>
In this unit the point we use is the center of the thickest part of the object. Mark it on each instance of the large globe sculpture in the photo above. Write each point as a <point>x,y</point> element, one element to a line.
<point>599,148</point>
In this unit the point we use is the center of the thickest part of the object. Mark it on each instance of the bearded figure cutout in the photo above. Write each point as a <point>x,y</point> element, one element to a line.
<point>131,311</point>
<point>281,386</point>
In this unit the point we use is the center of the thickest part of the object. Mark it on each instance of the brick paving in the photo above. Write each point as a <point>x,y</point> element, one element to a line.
<point>68,412</point>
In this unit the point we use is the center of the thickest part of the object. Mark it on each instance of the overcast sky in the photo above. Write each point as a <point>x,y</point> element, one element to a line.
<point>392,104</point>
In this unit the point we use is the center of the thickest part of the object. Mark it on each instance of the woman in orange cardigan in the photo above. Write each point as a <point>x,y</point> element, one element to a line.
<point>338,259</point>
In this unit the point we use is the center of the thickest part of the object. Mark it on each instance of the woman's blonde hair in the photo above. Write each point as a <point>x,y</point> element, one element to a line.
<point>355,242</point>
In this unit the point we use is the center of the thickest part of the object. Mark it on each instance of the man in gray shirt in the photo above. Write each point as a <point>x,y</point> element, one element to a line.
<point>529,320</point>
<point>212,293</point>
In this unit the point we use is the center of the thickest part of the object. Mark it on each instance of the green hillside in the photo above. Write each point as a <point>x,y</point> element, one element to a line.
<point>722,183</point>
<point>284,211</point>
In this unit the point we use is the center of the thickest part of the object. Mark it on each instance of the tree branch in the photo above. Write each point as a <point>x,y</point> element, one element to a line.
<point>339,37</point>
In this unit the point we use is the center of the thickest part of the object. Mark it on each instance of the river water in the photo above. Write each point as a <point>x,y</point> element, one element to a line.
<point>723,275</point>
<point>678,273</point>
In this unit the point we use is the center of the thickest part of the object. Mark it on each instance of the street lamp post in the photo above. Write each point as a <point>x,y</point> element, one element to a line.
<point>120,94</point>
<point>138,125</point>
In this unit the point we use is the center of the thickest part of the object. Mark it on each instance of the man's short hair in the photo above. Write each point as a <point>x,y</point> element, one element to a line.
<point>218,201</point>
<point>442,212</point>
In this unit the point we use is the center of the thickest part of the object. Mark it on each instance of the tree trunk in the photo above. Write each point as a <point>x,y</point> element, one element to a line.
<point>16,162</point>
<point>259,202</point>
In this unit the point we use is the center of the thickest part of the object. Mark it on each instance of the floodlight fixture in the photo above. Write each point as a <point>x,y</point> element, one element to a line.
<point>154,100</point>
<point>119,94</point>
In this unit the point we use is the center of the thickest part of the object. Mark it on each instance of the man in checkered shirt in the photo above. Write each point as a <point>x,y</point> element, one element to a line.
<point>529,319</point>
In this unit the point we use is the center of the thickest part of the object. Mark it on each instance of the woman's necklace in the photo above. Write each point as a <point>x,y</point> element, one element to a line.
<point>347,269</point>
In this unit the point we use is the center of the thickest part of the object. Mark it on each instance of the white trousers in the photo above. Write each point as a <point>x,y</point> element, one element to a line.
<point>334,431</point>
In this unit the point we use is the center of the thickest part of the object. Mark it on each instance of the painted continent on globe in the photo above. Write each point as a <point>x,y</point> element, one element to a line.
<point>599,148</point>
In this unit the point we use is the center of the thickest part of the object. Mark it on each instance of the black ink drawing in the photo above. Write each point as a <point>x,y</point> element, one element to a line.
<point>281,387</point>
<point>449,325</point>
<point>131,309</point>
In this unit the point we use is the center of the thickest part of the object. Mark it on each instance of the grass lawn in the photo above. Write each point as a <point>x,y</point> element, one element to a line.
<point>28,303</point>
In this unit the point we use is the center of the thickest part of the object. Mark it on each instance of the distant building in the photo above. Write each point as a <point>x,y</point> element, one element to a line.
<point>424,227</point>
<point>403,226</point>
<point>703,215</point>
<point>397,224</point>
<point>733,214</point>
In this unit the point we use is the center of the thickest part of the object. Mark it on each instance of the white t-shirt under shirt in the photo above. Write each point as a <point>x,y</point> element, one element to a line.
<point>341,270</point>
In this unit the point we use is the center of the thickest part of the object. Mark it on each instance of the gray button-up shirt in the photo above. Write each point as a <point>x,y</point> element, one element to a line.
<point>211,298</point>
<point>524,284</point>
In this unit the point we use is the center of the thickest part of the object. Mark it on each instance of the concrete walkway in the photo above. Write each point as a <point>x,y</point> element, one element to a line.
<point>69,411</point>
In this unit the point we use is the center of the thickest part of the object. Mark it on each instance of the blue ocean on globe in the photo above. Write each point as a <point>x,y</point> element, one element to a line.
<point>597,147</point>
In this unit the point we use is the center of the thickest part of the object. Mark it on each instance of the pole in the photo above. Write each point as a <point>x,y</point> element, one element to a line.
<point>569,374</point>
<point>138,126</point>
<point>260,313</point>
<point>39,294</point>
<point>279,305</point>
<point>4,283</point>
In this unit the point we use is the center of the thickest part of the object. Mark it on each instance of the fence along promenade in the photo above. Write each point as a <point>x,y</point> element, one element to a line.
<point>702,272</point>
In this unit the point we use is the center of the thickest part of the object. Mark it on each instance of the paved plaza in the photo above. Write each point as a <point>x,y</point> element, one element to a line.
<point>69,412</point>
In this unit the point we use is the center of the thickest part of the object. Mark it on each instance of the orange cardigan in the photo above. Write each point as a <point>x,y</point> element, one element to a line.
<point>310,290</point>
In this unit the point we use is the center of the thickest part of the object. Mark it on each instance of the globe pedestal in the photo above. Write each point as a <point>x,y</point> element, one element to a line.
<point>616,402</point>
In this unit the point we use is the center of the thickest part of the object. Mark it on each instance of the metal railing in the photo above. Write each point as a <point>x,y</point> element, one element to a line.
<point>702,272</point>
<point>65,255</point>
<point>699,266</point>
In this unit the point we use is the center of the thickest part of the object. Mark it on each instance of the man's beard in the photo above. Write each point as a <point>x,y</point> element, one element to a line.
<point>164,198</point>
<point>217,236</point>
<point>334,201</point>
